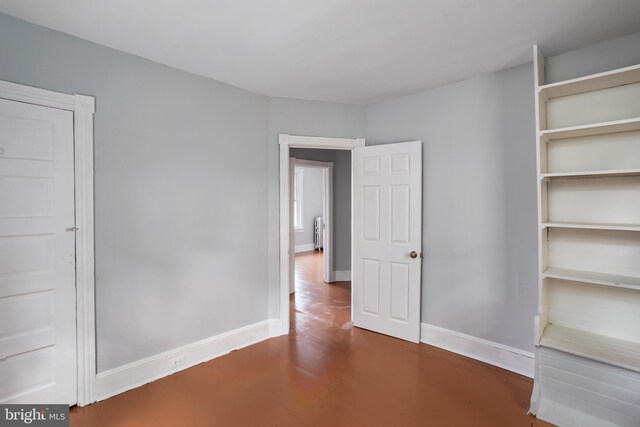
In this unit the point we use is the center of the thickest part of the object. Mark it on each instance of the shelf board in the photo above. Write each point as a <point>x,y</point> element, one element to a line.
<point>614,351</point>
<point>592,277</point>
<point>615,126</point>
<point>592,174</point>
<point>584,226</point>
<point>619,77</point>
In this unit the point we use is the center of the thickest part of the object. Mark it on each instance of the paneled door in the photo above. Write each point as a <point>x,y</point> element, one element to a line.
<point>387,231</point>
<point>37,255</point>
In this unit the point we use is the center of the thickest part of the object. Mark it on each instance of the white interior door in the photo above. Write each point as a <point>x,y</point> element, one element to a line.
<point>387,232</point>
<point>37,255</point>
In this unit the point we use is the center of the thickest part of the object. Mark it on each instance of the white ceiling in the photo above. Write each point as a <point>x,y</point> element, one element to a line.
<point>352,51</point>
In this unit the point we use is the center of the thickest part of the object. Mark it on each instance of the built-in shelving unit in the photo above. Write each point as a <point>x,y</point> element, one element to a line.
<point>614,126</point>
<point>600,81</point>
<point>617,352</point>
<point>588,148</point>
<point>592,277</point>
<point>592,174</point>
<point>586,226</point>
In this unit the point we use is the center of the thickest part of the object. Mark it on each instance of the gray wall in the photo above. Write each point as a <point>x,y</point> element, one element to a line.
<point>296,117</point>
<point>187,181</point>
<point>605,56</point>
<point>180,191</point>
<point>342,210</point>
<point>312,204</point>
<point>341,200</point>
<point>479,201</point>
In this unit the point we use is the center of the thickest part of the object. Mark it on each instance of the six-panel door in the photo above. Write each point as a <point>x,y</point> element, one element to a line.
<point>387,223</point>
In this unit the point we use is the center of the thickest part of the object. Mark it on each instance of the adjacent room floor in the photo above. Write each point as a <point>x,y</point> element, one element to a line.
<point>325,373</point>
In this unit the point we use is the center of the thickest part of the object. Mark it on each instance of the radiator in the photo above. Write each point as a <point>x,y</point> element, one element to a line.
<point>317,233</point>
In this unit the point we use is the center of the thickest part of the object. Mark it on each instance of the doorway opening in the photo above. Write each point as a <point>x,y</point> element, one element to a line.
<point>287,231</point>
<point>386,233</point>
<point>311,218</point>
<point>320,218</point>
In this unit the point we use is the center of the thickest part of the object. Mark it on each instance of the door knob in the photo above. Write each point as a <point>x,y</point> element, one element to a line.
<point>413,254</point>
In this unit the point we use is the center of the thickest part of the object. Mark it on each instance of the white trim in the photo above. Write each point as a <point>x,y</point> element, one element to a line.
<point>37,96</point>
<point>85,104</point>
<point>323,143</point>
<point>502,356</point>
<point>564,416</point>
<point>303,163</point>
<point>353,234</point>
<point>327,218</point>
<point>304,248</point>
<point>285,142</point>
<point>284,234</point>
<point>85,258</point>
<point>140,372</point>
<point>275,328</point>
<point>83,108</point>
<point>342,275</point>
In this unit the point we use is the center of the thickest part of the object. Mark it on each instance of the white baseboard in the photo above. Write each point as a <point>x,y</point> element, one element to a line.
<point>564,416</point>
<point>276,329</point>
<point>342,276</point>
<point>140,372</point>
<point>509,358</point>
<point>304,248</point>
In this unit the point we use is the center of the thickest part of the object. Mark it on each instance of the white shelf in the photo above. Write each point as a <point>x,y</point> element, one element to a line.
<point>625,354</point>
<point>604,192</point>
<point>619,77</point>
<point>592,174</point>
<point>612,227</point>
<point>615,126</point>
<point>593,277</point>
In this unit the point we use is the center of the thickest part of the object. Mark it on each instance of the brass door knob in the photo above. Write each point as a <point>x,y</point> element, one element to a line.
<point>413,254</point>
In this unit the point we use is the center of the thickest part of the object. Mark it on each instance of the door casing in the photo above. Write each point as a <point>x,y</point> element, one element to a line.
<point>83,108</point>
<point>286,142</point>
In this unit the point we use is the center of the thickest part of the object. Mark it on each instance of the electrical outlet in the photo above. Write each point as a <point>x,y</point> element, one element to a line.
<point>176,361</point>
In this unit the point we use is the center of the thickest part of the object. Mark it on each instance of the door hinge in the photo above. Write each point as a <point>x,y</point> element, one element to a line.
<point>71,229</point>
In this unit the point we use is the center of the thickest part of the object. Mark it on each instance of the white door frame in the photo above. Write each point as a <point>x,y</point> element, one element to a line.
<point>83,108</point>
<point>327,215</point>
<point>286,142</point>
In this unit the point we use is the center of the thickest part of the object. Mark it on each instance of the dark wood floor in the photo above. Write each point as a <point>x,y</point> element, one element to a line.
<point>325,373</point>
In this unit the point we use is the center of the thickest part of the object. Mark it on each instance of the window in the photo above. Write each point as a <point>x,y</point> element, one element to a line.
<point>297,199</point>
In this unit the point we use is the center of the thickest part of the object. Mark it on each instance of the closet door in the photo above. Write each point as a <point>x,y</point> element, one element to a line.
<point>37,255</point>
